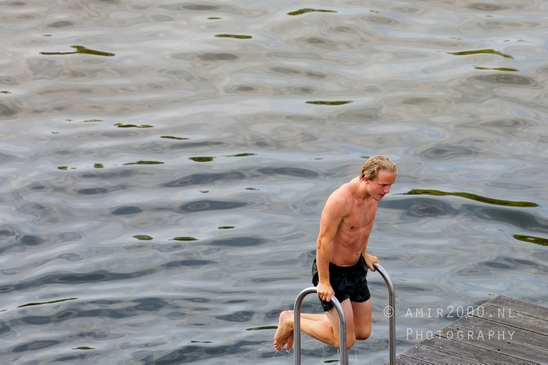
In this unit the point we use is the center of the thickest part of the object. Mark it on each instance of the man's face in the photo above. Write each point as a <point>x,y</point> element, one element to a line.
<point>379,187</point>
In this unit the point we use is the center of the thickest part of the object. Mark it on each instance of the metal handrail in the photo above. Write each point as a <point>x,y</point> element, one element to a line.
<point>389,311</point>
<point>297,326</point>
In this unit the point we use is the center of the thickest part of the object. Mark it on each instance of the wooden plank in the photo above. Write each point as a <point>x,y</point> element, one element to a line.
<point>428,351</point>
<point>440,350</point>
<point>484,335</point>
<point>502,331</point>
<point>406,360</point>
<point>512,318</point>
<point>517,335</point>
<point>529,309</point>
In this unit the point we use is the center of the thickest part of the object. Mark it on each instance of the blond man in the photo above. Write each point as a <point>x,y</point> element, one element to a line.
<point>342,260</point>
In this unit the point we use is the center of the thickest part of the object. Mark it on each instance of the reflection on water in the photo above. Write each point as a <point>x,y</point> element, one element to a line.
<point>308,10</point>
<point>51,302</point>
<point>236,36</point>
<point>472,197</point>
<point>319,102</point>
<point>164,167</point>
<point>532,239</point>
<point>81,50</point>
<point>481,51</point>
<point>507,69</point>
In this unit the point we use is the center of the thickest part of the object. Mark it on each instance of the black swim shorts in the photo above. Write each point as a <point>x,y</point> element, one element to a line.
<point>348,282</point>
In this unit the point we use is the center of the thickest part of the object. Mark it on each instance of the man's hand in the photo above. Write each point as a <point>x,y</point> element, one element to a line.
<point>370,260</point>
<point>325,291</point>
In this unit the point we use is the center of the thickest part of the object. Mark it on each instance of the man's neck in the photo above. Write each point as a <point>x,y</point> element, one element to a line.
<point>360,191</point>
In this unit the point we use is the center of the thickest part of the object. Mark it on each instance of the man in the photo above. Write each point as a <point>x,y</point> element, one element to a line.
<point>341,263</point>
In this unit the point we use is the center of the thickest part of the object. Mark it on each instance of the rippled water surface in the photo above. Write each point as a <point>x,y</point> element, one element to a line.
<point>164,165</point>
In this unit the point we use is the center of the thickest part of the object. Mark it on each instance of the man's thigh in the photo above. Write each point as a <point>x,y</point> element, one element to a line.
<point>362,318</point>
<point>333,316</point>
<point>358,319</point>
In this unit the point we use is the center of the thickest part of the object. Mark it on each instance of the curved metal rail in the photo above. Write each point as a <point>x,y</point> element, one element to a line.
<point>297,326</point>
<point>389,311</point>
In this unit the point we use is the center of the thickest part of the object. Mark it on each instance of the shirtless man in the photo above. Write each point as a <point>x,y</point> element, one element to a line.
<point>341,263</point>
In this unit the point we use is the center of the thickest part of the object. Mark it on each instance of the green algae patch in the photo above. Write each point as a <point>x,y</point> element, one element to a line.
<point>479,198</point>
<point>531,239</point>
<point>201,159</point>
<point>481,51</point>
<point>310,10</point>
<point>242,155</point>
<point>176,138</point>
<point>505,69</point>
<point>80,50</point>
<point>226,227</point>
<point>98,166</point>
<point>122,125</point>
<point>186,238</point>
<point>261,328</point>
<point>42,303</point>
<point>84,348</point>
<point>235,36</point>
<point>144,163</point>
<point>329,103</point>
<point>143,237</point>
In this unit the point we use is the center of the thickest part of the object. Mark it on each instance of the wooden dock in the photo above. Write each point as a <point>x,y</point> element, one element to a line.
<point>501,331</point>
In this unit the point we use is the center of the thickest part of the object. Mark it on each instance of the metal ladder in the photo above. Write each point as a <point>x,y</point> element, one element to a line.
<point>389,311</point>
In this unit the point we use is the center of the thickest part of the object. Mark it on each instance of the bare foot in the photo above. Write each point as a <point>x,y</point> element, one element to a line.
<point>289,344</point>
<point>284,333</point>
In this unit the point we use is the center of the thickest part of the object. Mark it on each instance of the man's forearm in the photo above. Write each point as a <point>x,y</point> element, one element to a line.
<point>323,257</point>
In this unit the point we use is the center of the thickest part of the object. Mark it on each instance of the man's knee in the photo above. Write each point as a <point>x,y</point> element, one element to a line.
<point>350,341</point>
<point>363,334</point>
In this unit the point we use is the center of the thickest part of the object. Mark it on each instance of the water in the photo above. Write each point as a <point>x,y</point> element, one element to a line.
<point>164,165</point>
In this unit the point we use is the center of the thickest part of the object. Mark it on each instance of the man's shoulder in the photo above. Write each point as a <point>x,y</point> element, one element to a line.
<point>342,195</point>
<point>343,190</point>
<point>348,188</point>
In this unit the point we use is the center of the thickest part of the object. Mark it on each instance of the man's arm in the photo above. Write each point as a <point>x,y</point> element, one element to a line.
<point>369,259</point>
<point>333,213</point>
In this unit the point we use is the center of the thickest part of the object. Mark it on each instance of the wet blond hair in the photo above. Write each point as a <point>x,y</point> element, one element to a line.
<point>374,164</point>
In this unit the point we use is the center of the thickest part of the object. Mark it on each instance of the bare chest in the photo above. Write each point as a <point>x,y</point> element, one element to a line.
<point>359,218</point>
